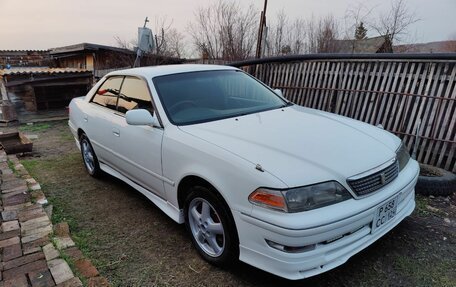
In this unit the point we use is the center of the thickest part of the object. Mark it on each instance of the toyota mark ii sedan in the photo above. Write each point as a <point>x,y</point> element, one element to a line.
<point>290,190</point>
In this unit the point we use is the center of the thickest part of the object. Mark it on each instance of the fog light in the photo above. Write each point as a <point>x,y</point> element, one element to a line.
<point>290,249</point>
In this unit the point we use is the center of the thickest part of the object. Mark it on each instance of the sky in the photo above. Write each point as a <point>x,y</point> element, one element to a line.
<point>44,24</point>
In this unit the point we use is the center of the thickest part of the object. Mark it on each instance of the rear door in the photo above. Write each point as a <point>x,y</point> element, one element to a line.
<point>100,116</point>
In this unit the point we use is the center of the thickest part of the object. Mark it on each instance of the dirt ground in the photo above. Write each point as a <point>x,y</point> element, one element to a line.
<point>133,243</point>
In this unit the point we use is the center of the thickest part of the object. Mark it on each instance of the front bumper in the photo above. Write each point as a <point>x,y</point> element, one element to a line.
<point>333,243</point>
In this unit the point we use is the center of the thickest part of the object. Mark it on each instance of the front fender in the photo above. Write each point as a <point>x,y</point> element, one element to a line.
<point>233,177</point>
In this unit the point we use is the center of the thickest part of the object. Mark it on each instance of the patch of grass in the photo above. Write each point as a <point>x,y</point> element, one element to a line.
<point>34,127</point>
<point>435,274</point>
<point>65,136</point>
<point>421,203</point>
<point>30,164</point>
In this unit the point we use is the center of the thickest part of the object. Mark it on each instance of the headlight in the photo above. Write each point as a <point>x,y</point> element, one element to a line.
<point>402,156</point>
<point>301,198</point>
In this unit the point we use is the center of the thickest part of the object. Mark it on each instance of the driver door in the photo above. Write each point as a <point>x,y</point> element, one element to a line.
<point>138,148</point>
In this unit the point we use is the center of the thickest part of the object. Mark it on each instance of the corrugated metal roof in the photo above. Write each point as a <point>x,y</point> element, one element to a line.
<point>370,45</point>
<point>40,70</point>
<point>42,51</point>
<point>86,47</point>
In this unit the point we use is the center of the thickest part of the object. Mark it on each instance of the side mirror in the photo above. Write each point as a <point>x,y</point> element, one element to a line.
<point>278,92</point>
<point>141,117</point>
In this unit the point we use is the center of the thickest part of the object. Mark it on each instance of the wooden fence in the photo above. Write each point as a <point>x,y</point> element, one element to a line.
<point>413,97</point>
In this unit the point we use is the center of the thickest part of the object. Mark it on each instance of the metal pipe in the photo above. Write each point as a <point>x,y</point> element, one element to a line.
<point>335,56</point>
<point>363,91</point>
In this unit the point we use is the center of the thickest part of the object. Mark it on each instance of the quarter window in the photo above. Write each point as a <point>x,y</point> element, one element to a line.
<point>134,95</point>
<point>106,95</point>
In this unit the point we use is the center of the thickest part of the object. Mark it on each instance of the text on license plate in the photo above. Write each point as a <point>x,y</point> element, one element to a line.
<point>384,213</point>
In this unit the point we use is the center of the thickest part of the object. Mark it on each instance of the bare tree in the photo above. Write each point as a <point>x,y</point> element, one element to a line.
<point>169,41</point>
<point>225,30</point>
<point>277,34</point>
<point>396,22</point>
<point>124,44</point>
<point>354,16</point>
<point>321,34</point>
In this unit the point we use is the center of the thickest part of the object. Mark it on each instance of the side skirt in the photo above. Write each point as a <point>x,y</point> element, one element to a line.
<point>169,209</point>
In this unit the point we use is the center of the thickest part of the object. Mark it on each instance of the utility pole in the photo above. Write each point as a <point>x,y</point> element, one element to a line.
<point>260,30</point>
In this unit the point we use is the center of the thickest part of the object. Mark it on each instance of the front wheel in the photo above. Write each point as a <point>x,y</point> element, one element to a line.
<point>211,227</point>
<point>88,155</point>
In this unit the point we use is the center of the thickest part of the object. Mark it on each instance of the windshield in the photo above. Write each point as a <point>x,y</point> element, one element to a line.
<point>205,96</point>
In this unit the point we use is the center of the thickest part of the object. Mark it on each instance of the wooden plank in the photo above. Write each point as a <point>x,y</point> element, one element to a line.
<point>372,102</point>
<point>313,83</point>
<point>446,123</point>
<point>297,81</point>
<point>433,112</point>
<point>305,94</point>
<point>423,103</point>
<point>362,95</point>
<point>412,121</point>
<point>367,99</point>
<point>341,94</point>
<point>357,95</point>
<point>393,105</point>
<point>390,76</point>
<point>334,85</point>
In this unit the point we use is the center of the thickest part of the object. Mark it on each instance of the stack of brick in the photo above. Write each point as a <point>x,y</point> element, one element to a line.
<point>28,258</point>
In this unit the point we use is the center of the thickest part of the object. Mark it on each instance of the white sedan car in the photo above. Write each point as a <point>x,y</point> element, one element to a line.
<point>291,190</point>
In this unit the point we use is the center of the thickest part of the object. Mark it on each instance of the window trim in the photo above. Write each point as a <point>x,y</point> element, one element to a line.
<point>144,79</point>
<point>99,87</point>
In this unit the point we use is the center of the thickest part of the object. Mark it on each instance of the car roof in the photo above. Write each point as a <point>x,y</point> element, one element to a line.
<point>154,71</point>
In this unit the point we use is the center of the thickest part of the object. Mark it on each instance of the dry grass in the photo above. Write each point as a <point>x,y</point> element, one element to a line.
<point>134,244</point>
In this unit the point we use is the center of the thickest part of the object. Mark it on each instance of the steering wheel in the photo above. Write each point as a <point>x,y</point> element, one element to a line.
<point>180,106</point>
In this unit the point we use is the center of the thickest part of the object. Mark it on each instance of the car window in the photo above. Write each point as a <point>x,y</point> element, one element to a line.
<point>197,97</point>
<point>134,95</point>
<point>106,95</point>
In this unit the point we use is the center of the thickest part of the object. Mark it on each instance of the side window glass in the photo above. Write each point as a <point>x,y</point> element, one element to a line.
<point>134,95</point>
<point>106,95</point>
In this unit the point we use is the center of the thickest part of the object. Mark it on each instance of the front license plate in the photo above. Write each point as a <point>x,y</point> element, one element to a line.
<point>384,213</point>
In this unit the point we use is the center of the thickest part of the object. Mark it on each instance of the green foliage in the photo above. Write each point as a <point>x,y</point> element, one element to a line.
<point>34,127</point>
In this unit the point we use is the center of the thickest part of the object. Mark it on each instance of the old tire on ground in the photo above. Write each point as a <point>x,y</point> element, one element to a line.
<point>89,157</point>
<point>211,226</point>
<point>443,185</point>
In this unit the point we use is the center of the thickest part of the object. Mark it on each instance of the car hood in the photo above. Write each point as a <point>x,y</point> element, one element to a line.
<point>300,145</point>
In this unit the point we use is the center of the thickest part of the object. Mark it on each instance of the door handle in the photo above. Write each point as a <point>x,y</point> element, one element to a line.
<point>116,132</point>
<point>86,118</point>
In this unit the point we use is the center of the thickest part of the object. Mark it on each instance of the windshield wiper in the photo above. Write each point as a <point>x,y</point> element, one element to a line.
<point>287,104</point>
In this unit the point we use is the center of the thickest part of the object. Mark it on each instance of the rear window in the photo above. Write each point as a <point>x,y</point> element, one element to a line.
<point>106,95</point>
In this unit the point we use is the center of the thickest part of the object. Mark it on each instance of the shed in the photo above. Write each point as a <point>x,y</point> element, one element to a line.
<point>102,59</point>
<point>92,57</point>
<point>33,90</point>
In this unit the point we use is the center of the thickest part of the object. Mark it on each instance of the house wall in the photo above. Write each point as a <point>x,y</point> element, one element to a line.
<point>76,61</point>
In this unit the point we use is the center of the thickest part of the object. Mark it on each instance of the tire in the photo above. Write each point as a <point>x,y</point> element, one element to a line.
<point>437,185</point>
<point>214,235</point>
<point>89,157</point>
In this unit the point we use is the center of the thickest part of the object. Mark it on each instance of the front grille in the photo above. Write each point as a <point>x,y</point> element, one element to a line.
<point>375,181</point>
